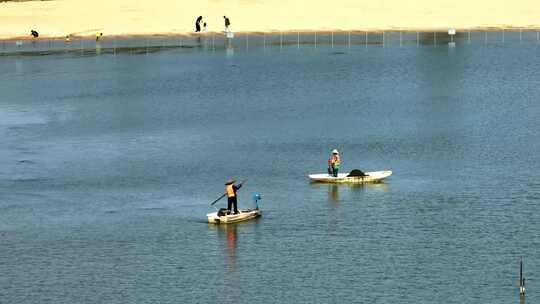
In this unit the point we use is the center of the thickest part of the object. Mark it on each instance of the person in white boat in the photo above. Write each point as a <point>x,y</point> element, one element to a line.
<point>334,163</point>
<point>230,190</point>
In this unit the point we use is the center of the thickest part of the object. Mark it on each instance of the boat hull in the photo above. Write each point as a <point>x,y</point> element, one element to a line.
<point>244,215</point>
<point>342,178</point>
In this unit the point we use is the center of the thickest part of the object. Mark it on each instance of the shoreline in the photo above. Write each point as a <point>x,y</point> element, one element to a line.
<point>123,18</point>
<point>489,29</point>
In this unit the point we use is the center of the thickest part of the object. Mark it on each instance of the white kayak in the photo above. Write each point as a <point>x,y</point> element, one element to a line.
<point>370,177</point>
<point>244,215</point>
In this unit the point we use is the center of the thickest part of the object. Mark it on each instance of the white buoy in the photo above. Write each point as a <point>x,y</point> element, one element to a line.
<point>451,33</point>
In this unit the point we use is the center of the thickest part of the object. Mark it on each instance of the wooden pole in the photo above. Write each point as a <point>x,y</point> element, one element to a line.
<point>366,39</point>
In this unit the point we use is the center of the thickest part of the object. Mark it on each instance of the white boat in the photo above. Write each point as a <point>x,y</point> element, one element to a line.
<point>220,217</point>
<point>348,178</point>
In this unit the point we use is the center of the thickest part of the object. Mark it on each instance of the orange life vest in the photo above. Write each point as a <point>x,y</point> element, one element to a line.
<point>230,190</point>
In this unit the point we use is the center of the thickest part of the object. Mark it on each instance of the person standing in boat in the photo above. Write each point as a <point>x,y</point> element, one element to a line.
<point>334,163</point>
<point>230,190</point>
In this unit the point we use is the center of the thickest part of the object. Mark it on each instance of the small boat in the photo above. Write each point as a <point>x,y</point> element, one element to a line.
<point>222,216</point>
<point>353,177</point>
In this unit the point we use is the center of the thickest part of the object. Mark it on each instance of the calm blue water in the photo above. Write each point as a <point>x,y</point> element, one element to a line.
<point>108,164</point>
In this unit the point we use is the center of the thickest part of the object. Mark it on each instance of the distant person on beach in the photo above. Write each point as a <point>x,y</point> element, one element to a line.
<point>204,27</point>
<point>227,24</point>
<point>34,34</point>
<point>198,24</point>
<point>98,36</point>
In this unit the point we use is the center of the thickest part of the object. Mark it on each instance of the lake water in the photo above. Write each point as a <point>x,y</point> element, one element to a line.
<point>108,165</point>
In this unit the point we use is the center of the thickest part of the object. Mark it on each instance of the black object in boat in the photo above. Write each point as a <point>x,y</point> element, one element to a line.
<point>356,172</point>
<point>222,212</point>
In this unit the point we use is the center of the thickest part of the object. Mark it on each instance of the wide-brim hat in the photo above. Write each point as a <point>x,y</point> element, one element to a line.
<point>230,181</point>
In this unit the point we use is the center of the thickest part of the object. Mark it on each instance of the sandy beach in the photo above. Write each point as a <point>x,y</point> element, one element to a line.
<point>58,18</point>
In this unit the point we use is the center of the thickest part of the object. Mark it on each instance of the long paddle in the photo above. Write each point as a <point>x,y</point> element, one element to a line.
<point>223,195</point>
